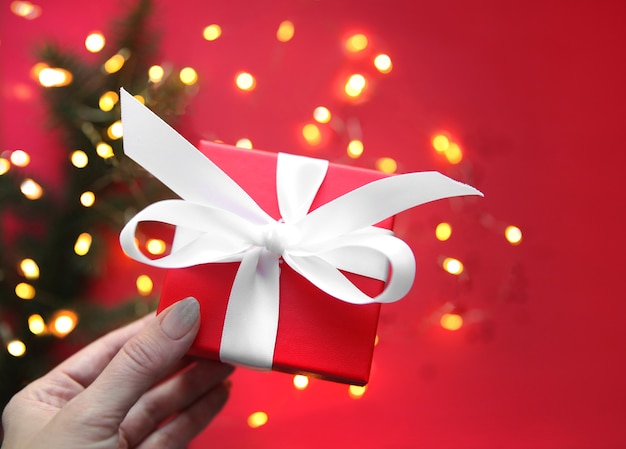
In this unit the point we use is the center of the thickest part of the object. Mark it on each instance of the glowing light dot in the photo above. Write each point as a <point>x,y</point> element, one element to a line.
<point>355,85</point>
<point>108,100</point>
<point>386,165</point>
<point>104,150</point>
<point>285,31</point>
<point>83,244</point>
<point>36,324</point>
<point>451,321</point>
<point>144,285</point>
<point>312,134</point>
<point>30,189</point>
<point>452,266</point>
<point>188,76</point>
<point>443,231</point>
<point>356,42</point>
<point>25,291</point>
<point>79,159</point>
<point>140,99</point>
<point>114,63</point>
<point>300,382</point>
<point>356,391</point>
<point>454,153</point>
<point>95,42</point>
<point>63,323</point>
<point>245,81</point>
<point>355,149</point>
<point>87,199</point>
<point>244,143</point>
<point>212,32</point>
<point>440,143</point>
<point>20,158</point>
<point>29,269</point>
<point>25,9</point>
<point>257,419</point>
<point>383,63</point>
<point>321,114</point>
<point>156,246</point>
<point>115,131</point>
<point>5,165</point>
<point>16,348</point>
<point>513,234</point>
<point>156,73</point>
<point>54,77</point>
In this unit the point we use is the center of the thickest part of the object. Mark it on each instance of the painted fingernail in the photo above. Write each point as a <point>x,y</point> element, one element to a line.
<point>180,318</point>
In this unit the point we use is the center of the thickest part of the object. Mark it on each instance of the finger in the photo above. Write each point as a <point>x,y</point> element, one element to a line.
<point>171,397</point>
<point>140,362</point>
<point>190,422</point>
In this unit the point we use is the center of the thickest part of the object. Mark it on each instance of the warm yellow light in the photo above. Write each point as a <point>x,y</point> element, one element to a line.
<point>115,131</point>
<point>212,32</point>
<point>452,266</point>
<point>321,114</point>
<point>25,291</point>
<point>451,321</point>
<point>16,348</point>
<point>79,159</point>
<point>355,85</point>
<point>285,31</point>
<point>376,340</point>
<point>257,419</point>
<point>63,322</point>
<point>30,189</point>
<point>513,234</point>
<point>83,244</point>
<point>36,324</point>
<point>29,269</point>
<point>20,158</point>
<point>108,100</point>
<point>87,199</point>
<point>140,99</point>
<point>356,391</point>
<point>5,165</point>
<point>104,150</point>
<point>356,43</point>
<point>383,63</point>
<point>188,76</point>
<point>312,134</point>
<point>453,153</point>
<point>386,165</point>
<point>300,381</point>
<point>156,73</point>
<point>355,149</point>
<point>244,143</point>
<point>156,246</point>
<point>144,285</point>
<point>95,42</point>
<point>245,81</point>
<point>25,9</point>
<point>54,77</point>
<point>114,63</point>
<point>443,231</point>
<point>440,143</point>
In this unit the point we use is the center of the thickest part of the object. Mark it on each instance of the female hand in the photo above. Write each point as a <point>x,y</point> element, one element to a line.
<point>130,389</point>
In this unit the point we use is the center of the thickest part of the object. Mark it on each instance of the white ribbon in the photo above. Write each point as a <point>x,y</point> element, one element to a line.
<point>217,221</point>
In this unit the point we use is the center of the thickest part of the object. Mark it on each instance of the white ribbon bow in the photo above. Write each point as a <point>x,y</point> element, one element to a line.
<point>217,221</point>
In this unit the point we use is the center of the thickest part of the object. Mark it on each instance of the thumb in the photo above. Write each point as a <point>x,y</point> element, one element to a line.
<point>141,361</point>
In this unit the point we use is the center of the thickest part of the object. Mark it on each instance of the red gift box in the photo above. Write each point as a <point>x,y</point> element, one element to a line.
<point>318,335</point>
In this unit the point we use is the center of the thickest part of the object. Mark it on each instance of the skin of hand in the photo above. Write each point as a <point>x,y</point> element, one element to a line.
<point>133,388</point>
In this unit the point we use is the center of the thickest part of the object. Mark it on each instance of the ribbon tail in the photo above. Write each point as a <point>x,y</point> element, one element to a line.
<point>251,323</point>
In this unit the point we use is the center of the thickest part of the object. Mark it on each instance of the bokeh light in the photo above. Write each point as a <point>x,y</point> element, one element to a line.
<point>312,134</point>
<point>386,165</point>
<point>355,85</point>
<point>443,231</point>
<point>440,143</point>
<point>36,324</point>
<point>114,63</point>
<point>29,268</point>
<point>63,322</point>
<point>156,246</point>
<point>383,63</point>
<point>257,419</point>
<point>513,235</point>
<point>79,159</point>
<point>16,348</point>
<point>115,131</point>
<point>453,153</point>
<point>212,32</point>
<point>54,77</point>
<point>108,100</point>
<point>20,158</point>
<point>87,198</point>
<point>321,114</point>
<point>356,391</point>
<point>451,321</point>
<point>25,291</point>
<point>356,42</point>
<point>104,150</point>
<point>144,285</point>
<point>31,189</point>
<point>156,73</point>
<point>452,266</point>
<point>95,42</point>
<point>188,76</point>
<point>300,381</point>
<point>5,166</point>
<point>244,143</point>
<point>245,81</point>
<point>25,9</point>
<point>83,244</point>
<point>285,31</point>
<point>355,149</point>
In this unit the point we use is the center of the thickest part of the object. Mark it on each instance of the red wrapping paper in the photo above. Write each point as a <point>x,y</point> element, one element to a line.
<point>318,335</point>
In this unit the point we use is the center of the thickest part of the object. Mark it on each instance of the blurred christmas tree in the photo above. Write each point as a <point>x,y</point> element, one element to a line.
<point>54,242</point>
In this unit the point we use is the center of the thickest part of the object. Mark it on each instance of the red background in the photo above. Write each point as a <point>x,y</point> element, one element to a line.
<point>534,94</point>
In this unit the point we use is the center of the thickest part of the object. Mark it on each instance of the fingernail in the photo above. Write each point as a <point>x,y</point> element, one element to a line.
<point>180,318</point>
